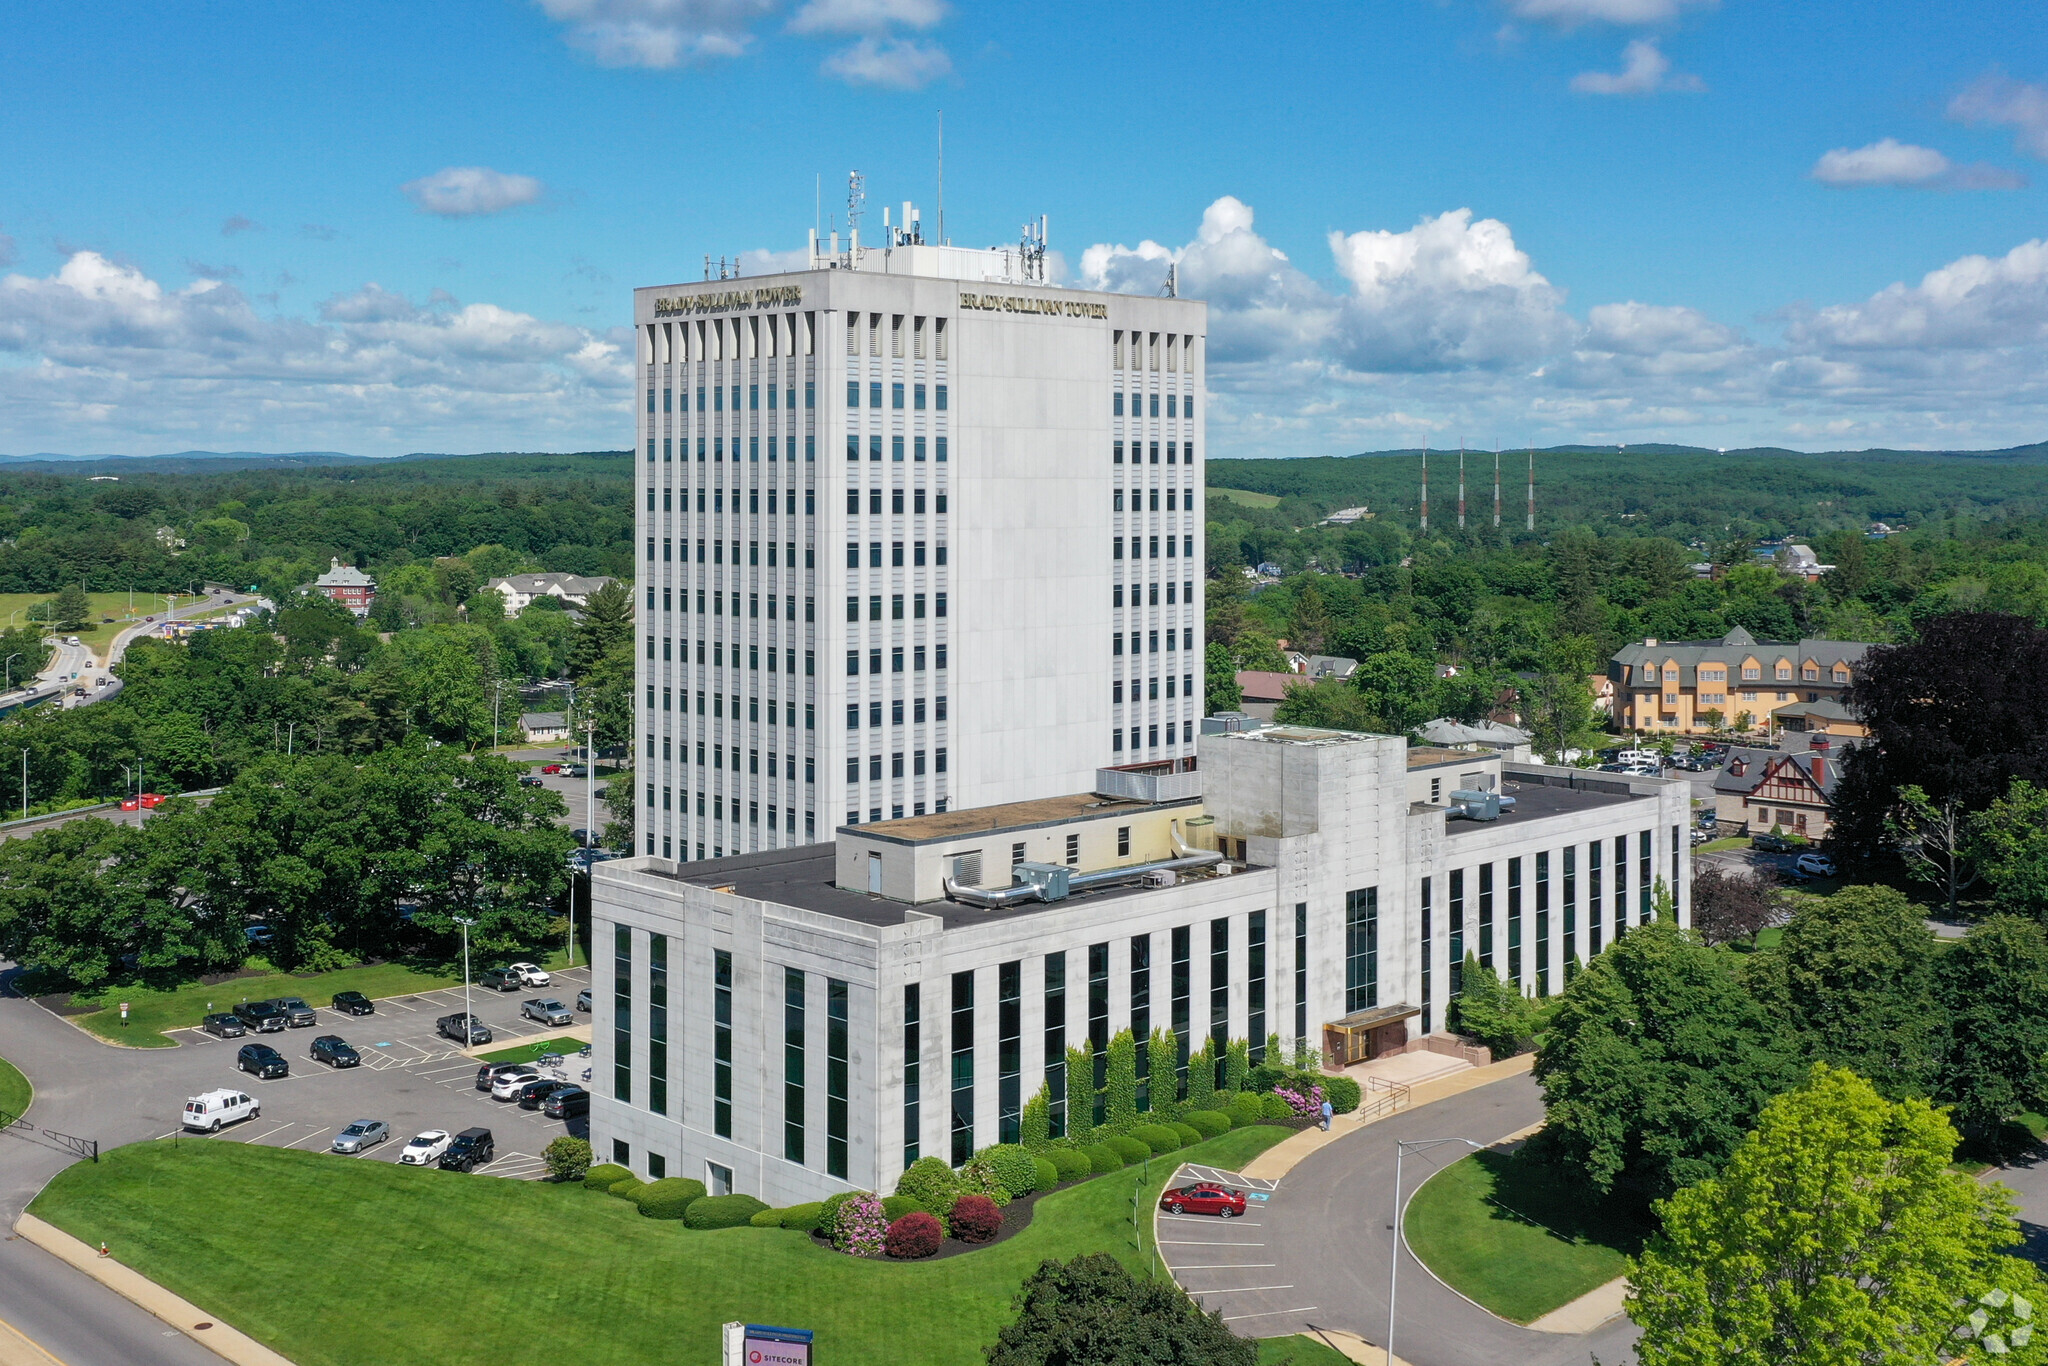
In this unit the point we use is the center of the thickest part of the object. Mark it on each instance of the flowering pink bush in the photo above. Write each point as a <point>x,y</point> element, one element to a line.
<point>1308,1106</point>
<point>861,1230</point>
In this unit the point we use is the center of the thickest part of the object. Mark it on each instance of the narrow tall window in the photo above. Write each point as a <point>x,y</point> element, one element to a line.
<point>912,1074</point>
<point>1486,915</point>
<point>1301,974</point>
<point>792,1065</point>
<point>1141,1014</point>
<point>1428,951</point>
<point>835,1078</point>
<point>1182,982</point>
<point>1675,881</point>
<point>1009,1050</point>
<point>657,1023</point>
<point>1055,1050</point>
<point>1645,881</point>
<point>1457,927</point>
<point>1098,1022</point>
<point>1571,908</point>
<point>1361,949</point>
<point>1219,988</point>
<point>1515,922</point>
<point>1543,924</point>
<point>1593,899</point>
<point>963,1067</point>
<point>1255,984</point>
<point>622,1014</point>
<point>1620,884</point>
<point>721,1043</point>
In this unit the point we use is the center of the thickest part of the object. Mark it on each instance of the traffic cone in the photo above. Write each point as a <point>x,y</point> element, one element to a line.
<point>104,1252</point>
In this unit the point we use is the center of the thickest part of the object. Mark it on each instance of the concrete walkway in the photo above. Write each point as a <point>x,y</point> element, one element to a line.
<point>1588,1311</point>
<point>1281,1158</point>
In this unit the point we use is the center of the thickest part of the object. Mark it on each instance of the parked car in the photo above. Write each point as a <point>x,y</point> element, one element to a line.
<point>208,1112</point>
<point>506,1087</point>
<point>1701,835</point>
<point>548,1011</point>
<point>223,1026</point>
<point>534,1093</point>
<point>353,1003</point>
<point>500,979</point>
<point>425,1149</point>
<point>262,1016</point>
<point>262,1060</point>
<point>530,780</point>
<point>1642,770</point>
<point>1770,844</point>
<point>583,999</point>
<point>335,1051</point>
<point>577,771</point>
<point>364,1133</point>
<point>1815,865</point>
<point>491,1071</point>
<point>566,1103</point>
<point>297,1013</point>
<point>259,935</point>
<point>467,1030</point>
<point>531,974</point>
<point>151,801</point>
<point>551,768</point>
<point>1203,1198</point>
<point>471,1149</point>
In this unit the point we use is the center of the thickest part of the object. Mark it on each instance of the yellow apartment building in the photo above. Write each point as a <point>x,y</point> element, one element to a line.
<point>1691,687</point>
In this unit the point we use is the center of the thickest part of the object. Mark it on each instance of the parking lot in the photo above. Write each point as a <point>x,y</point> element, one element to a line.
<point>410,1077</point>
<point>1228,1264</point>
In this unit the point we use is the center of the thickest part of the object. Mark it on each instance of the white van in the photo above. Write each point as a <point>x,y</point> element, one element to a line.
<point>208,1112</point>
<point>1640,756</point>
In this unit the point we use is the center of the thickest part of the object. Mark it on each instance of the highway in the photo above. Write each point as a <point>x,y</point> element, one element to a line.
<point>68,659</point>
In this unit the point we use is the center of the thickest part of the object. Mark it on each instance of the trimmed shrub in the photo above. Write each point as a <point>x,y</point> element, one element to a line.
<point>668,1198</point>
<point>1048,1175</point>
<point>1188,1133</point>
<point>1015,1170</point>
<point>1164,1080</point>
<point>1266,1075</point>
<point>1237,1060</point>
<point>1343,1093</point>
<point>1102,1159</point>
<point>1120,1083</point>
<point>828,1210</point>
<point>976,1219</point>
<point>916,1234</point>
<point>1157,1137</point>
<point>1072,1164</point>
<point>861,1229</point>
<point>767,1218</point>
<point>602,1178</point>
<point>627,1188</point>
<point>1207,1123</point>
<point>803,1218</point>
<point>1275,1107</point>
<point>567,1159</point>
<point>722,1211</point>
<point>895,1207</point>
<point>931,1183</point>
<point>1202,1078</point>
<point>1245,1108</point>
<point>1128,1148</point>
<point>979,1178</point>
<point>1034,1127</point>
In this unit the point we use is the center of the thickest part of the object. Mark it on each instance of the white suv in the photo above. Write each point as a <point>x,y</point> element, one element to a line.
<point>530,974</point>
<point>208,1112</point>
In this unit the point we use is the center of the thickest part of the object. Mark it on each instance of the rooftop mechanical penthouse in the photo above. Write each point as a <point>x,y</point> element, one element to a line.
<point>920,531</point>
<point>803,1020</point>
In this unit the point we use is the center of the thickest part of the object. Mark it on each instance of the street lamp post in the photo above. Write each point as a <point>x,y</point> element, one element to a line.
<point>468,1019</point>
<point>24,784</point>
<point>589,784</point>
<point>1401,1150</point>
<point>8,671</point>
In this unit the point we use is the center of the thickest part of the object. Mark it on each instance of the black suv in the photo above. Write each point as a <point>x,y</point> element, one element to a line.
<point>464,1029</point>
<point>352,1003</point>
<point>566,1103</point>
<point>263,1060</point>
<point>500,979</point>
<point>297,1013</point>
<point>262,1016</point>
<point>335,1051</point>
<point>471,1149</point>
<point>223,1026</point>
<point>534,1093</point>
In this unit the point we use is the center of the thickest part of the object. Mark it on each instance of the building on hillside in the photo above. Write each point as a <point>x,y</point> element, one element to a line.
<point>1261,691</point>
<point>1758,791</point>
<point>1798,559</point>
<point>1687,687</point>
<point>571,590</point>
<point>901,512</point>
<point>545,727</point>
<point>800,1021</point>
<point>1603,693</point>
<point>347,585</point>
<point>1347,516</point>
<point>1329,666</point>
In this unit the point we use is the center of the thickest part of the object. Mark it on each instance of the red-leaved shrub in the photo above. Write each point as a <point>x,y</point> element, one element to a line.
<point>975,1219</point>
<point>916,1234</point>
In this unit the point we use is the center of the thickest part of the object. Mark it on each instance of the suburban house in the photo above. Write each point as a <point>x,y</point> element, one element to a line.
<point>1512,742</point>
<point>1264,689</point>
<point>1603,693</point>
<point>1688,687</point>
<point>347,585</point>
<point>544,727</point>
<point>1760,790</point>
<point>518,590</point>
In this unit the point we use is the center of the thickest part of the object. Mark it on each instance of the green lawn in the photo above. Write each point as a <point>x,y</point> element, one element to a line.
<point>96,634</point>
<point>1716,846</point>
<point>152,1011</point>
<point>430,1267</point>
<point>1480,1224</point>
<point>1246,499</point>
<point>1299,1350</point>
<point>527,1052</point>
<point>15,1092</point>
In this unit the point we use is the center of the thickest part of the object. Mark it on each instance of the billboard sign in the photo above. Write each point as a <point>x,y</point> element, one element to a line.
<point>755,1344</point>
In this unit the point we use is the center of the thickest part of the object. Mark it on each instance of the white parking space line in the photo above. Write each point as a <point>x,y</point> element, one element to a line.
<point>394,1001</point>
<point>1241,1290</point>
<point>315,1134</point>
<point>1190,1242</point>
<point>268,1132</point>
<point>1209,1219</point>
<point>1269,1313</point>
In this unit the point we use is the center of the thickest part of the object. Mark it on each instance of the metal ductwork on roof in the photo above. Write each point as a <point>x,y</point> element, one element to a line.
<point>1049,882</point>
<point>1474,805</point>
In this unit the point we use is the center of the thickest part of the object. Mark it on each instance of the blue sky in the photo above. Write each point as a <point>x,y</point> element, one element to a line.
<point>391,227</point>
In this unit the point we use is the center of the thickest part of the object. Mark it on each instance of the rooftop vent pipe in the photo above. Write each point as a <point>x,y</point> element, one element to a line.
<point>1050,889</point>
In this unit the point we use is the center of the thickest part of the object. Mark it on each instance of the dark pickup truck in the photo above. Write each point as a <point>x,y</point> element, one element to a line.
<point>262,1016</point>
<point>464,1029</point>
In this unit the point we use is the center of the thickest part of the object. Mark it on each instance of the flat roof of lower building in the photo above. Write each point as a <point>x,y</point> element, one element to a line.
<point>1536,800</point>
<point>1039,811</point>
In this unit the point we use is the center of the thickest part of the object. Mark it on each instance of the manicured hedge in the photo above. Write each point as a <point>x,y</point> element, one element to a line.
<point>894,1207</point>
<point>916,1234</point>
<point>1245,1108</point>
<point>1014,1168</point>
<point>767,1218</point>
<point>805,1218</point>
<point>1343,1093</point>
<point>1128,1148</point>
<point>828,1212</point>
<point>1048,1174</point>
<point>1207,1123</point>
<point>931,1183</point>
<point>627,1188</point>
<point>722,1211</point>
<point>1273,1107</point>
<point>1103,1159</point>
<point>975,1219</point>
<point>1071,1163</point>
<point>603,1178</point>
<point>1157,1137</point>
<point>668,1198</point>
<point>1188,1132</point>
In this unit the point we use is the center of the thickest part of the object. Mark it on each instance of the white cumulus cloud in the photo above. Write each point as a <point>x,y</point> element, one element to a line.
<point>465,191</point>
<point>1572,13</point>
<point>892,63</point>
<point>866,16</point>
<point>1999,100</point>
<point>1645,70</point>
<point>658,33</point>
<point>1973,303</point>
<point>1891,162</point>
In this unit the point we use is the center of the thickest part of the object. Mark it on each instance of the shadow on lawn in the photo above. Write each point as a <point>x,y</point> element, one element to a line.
<point>1529,1189</point>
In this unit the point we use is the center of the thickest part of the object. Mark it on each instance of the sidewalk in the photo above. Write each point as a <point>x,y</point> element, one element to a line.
<point>183,1315</point>
<point>1280,1159</point>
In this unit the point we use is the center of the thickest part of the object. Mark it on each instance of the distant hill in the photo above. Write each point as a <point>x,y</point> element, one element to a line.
<point>280,458</point>
<point>2038,451</point>
<point>229,462</point>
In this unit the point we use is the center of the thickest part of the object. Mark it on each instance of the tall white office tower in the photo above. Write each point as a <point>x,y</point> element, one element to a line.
<point>920,531</point>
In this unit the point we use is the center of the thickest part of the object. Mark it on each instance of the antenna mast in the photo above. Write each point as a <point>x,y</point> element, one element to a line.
<point>1496,486</point>
<point>1532,486</point>
<point>1425,489</point>
<point>1031,250</point>
<point>1461,486</point>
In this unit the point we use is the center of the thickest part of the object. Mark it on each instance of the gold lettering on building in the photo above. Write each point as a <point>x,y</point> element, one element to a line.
<point>1024,303</point>
<point>731,300</point>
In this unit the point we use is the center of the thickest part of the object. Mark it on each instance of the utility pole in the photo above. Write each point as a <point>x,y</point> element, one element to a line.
<point>1425,490</point>
<point>589,784</point>
<point>468,1019</point>
<point>24,784</point>
<point>1401,1150</point>
<point>8,671</point>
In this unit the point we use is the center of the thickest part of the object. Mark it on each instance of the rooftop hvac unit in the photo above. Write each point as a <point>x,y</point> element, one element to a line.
<point>1474,805</point>
<point>1052,879</point>
<point>1160,877</point>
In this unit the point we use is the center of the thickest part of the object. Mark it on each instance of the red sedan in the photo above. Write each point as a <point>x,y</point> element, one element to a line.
<point>551,768</point>
<point>152,800</point>
<point>1203,1198</point>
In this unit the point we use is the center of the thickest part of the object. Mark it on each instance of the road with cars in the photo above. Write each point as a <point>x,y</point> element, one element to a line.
<point>410,1078</point>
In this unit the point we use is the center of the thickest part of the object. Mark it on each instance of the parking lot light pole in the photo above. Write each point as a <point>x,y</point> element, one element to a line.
<point>1401,1150</point>
<point>469,1020</point>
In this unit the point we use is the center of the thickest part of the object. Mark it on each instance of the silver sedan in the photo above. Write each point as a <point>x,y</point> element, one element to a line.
<point>362,1134</point>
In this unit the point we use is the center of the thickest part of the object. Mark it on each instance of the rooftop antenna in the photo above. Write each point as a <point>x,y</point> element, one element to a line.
<point>856,195</point>
<point>1461,486</point>
<point>707,265</point>
<point>1532,486</point>
<point>942,178</point>
<point>1496,485</point>
<point>1031,249</point>
<point>1173,279</point>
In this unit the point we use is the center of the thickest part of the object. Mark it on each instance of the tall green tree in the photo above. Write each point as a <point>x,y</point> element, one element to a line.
<point>1399,689</point>
<point>1492,1011</point>
<point>1936,837</point>
<point>1091,1311</point>
<point>1220,691</point>
<point>2009,843</point>
<point>58,909</point>
<point>607,624</point>
<point>1991,1037</point>
<point>1838,1233</point>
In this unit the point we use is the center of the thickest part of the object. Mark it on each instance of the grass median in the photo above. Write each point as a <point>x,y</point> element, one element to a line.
<point>15,1092</point>
<point>567,1046</point>
<point>431,1266</point>
<point>152,1011</point>
<point>1505,1231</point>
